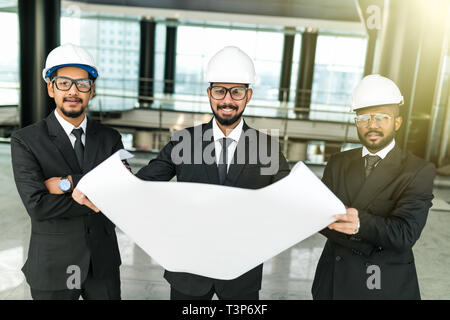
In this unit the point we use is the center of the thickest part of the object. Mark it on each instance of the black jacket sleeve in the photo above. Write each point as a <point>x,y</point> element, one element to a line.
<point>29,178</point>
<point>400,229</point>
<point>161,168</point>
<point>283,170</point>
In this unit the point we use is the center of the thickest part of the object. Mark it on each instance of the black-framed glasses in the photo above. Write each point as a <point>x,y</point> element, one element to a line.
<point>380,119</point>
<point>219,92</point>
<point>65,83</point>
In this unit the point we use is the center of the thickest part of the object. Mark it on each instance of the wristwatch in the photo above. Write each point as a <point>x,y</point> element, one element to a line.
<point>64,184</point>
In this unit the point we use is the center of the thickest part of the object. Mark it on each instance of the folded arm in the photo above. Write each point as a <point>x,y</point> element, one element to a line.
<point>30,182</point>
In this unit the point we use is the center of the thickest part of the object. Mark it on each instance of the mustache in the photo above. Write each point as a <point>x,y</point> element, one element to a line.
<point>374,131</point>
<point>223,106</point>
<point>72,99</point>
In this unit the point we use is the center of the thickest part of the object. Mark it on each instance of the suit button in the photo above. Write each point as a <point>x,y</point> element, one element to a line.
<point>338,258</point>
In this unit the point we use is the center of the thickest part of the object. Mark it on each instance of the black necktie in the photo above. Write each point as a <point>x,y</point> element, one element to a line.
<point>78,147</point>
<point>225,142</point>
<point>371,161</point>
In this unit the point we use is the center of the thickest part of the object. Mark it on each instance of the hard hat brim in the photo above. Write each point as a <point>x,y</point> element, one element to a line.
<point>383,103</point>
<point>91,70</point>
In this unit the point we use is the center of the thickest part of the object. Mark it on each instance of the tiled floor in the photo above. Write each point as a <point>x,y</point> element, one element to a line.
<point>287,276</point>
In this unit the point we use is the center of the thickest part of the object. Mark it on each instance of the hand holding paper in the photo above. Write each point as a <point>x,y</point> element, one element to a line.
<point>180,225</point>
<point>347,223</point>
<point>79,197</point>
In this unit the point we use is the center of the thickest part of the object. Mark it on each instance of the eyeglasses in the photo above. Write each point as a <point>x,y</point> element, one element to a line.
<point>237,93</point>
<point>380,119</point>
<point>64,84</point>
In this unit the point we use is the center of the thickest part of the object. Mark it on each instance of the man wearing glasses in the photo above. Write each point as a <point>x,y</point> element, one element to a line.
<point>73,249</point>
<point>388,192</point>
<point>228,146</point>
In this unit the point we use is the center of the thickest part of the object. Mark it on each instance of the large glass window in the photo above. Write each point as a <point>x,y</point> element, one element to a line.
<point>196,45</point>
<point>339,65</point>
<point>160,52</point>
<point>9,55</point>
<point>114,42</point>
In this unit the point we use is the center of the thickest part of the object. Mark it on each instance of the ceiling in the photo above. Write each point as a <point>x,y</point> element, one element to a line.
<point>337,10</point>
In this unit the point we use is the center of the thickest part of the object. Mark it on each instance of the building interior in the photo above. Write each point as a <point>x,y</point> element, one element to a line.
<point>309,55</point>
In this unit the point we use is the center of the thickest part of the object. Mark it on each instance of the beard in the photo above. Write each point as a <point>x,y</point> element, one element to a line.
<point>227,121</point>
<point>372,146</point>
<point>73,113</point>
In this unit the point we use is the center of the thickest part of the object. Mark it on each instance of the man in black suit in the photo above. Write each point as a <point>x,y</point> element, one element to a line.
<point>73,250</point>
<point>368,254</point>
<point>223,151</point>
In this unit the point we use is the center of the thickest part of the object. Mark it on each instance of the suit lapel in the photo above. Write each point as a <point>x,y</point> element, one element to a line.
<point>382,175</point>
<point>62,142</point>
<point>91,147</point>
<point>354,176</point>
<point>207,140</point>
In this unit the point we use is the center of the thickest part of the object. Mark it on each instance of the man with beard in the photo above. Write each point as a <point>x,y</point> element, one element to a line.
<point>228,146</point>
<point>388,192</point>
<point>73,248</point>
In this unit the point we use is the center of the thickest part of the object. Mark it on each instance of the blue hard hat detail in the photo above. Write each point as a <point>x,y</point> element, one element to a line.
<point>89,69</point>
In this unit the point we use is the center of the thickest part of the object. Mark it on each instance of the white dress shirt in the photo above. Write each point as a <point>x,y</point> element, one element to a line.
<point>235,134</point>
<point>68,127</point>
<point>382,153</point>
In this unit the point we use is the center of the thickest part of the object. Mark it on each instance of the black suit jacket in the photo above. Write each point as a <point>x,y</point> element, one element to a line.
<point>393,204</point>
<point>243,175</point>
<point>63,233</point>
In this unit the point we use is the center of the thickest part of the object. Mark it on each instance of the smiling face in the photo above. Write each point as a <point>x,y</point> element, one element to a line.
<point>375,136</point>
<point>228,111</point>
<point>71,103</point>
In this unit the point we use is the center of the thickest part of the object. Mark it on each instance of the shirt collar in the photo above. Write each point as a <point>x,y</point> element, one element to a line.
<point>67,126</point>
<point>235,134</point>
<point>382,153</point>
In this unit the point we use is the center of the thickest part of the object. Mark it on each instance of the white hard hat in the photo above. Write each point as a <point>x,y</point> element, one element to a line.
<point>375,90</point>
<point>69,55</point>
<point>231,65</point>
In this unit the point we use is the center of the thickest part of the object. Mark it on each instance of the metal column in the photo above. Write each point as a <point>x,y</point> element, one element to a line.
<point>147,62</point>
<point>170,59</point>
<point>286,66</point>
<point>371,14</point>
<point>412,43</point>
<point>39,25</point>
<point>306,71</point>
